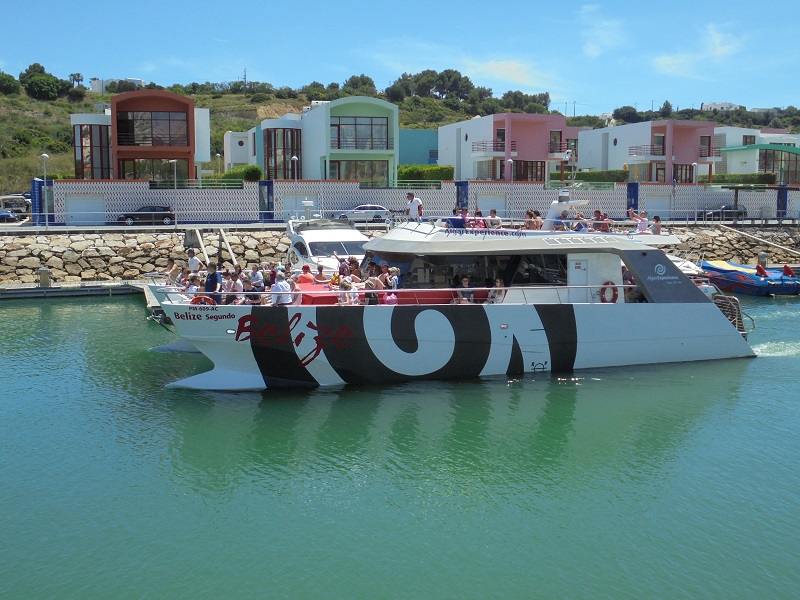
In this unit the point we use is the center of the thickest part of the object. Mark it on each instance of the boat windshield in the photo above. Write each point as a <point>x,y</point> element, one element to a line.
<point>345,249</point>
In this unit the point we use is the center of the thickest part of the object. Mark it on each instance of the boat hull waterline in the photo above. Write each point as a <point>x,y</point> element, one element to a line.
<point>258,347</point>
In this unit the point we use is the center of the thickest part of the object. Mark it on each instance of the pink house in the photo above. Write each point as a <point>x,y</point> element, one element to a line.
<point>509,146</point>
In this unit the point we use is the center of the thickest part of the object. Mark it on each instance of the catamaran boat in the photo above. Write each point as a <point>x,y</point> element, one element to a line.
<point>568,301</point>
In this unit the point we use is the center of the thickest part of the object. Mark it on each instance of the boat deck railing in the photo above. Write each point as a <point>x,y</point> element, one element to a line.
<point>331,295</point>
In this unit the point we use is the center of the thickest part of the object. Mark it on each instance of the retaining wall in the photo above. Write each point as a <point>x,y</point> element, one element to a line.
<point>127,256</point>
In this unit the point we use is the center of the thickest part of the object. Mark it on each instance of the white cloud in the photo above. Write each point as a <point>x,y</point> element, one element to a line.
<point>721,45</point>
<point>600,34</point>
<point>718,46</point>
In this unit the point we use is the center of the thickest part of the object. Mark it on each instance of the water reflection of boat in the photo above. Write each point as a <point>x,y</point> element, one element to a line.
<point>564,305</point>
<point>755,281</point>
<point>543,431</point>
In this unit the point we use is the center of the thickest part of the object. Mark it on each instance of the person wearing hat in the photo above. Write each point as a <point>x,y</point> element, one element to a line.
<point>195,264</point>
<point>305,276</point>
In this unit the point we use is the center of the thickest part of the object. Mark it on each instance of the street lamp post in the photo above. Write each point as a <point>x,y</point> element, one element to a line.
<point>175,172</point>
<point>44,186</point>
<point>294,168</point>
<point>218,156</point>
<point>510,164</point>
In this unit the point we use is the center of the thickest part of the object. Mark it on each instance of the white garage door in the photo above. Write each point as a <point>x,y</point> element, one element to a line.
<point>80,209</point>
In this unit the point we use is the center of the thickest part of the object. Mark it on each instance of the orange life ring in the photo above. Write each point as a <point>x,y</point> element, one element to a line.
<point>609,285</point>
<point>203,300</point>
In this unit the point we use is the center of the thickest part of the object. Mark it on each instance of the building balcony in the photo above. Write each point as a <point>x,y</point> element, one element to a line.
<point>557,150</point>
<point>647,150</point>
<point>492,148</point>
<point>370,144</point>
<point>142,139</point>
<point>709,152</point>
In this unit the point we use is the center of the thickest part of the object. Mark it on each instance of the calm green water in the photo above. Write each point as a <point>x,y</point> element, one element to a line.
<point>678,481</point>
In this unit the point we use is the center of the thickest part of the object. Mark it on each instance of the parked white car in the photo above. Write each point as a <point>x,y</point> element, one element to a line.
<point>366,213</point>
<point>315,241</point>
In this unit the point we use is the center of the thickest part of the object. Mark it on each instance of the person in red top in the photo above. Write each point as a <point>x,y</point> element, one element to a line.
<point>305,276</point>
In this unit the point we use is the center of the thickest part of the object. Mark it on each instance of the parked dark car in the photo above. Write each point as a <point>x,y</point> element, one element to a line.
<point>726,212</point>
<point>8,216</point>
<point>152,215</point>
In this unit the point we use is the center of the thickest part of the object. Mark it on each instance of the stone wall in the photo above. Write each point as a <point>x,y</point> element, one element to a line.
<point>127,256</point>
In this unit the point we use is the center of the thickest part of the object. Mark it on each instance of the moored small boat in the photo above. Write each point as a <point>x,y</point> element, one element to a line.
<point>754,281</point>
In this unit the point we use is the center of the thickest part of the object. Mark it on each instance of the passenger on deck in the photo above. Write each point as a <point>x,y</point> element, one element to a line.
<point>305,276</point>
<point>464,294</point>
<point>195,264</point>
<point>529,222</point>
<point>227,287</point>
<point>320,277</point>
<point>192,284</point>
<point>496,294</point>
<point>640,219</point>
<point>580,224</point>
<point>173,272</point>
<point>393,280</point>
<point>600,221</point>
<point>250,294</point>
<point>384,275</point>
<point>493,222</point>
<point>372,283</point>
<point>562,223</point>
<point>213,285</point>
<point>355,270</point>
<point>655,228</point>
<point>348,295</point>
<point>281,290</point>
<point>257,278</point>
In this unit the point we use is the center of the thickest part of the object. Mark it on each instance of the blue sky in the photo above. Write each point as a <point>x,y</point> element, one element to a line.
<point>590,57</point>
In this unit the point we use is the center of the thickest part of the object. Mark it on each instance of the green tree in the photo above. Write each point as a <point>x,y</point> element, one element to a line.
<point>75,79</point>
<point>627,114</point>
<point>77,94</point>
<point>43,87</point>
<point>27,74</point>
<point>666,110</point>
<point>425,82</point>
<point>360,85</point>
<point>8,84</point>
<point>395,93</point>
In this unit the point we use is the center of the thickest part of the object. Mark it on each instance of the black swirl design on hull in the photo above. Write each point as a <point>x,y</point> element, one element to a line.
<point>562,335</point>
<point>357,363</point>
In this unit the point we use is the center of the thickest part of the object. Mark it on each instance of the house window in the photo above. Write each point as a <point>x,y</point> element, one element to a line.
<point>154,169</point>
<point>682,173</point>
<point>555,142</point>
<point>360,133</point>
<point>279,146</point>
<point>372,172</point>
<point>92,151</point>
<point>143,128</point>
<point>525,170</point>
<point>748,140</point>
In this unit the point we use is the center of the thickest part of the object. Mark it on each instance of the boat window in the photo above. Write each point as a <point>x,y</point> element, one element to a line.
<point>301,248</point>
<point>543,269</point>
<point>343,249</point>
<point>447,271</point>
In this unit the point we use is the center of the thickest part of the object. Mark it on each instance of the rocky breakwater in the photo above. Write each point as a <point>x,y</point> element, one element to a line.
<point>118,256</point>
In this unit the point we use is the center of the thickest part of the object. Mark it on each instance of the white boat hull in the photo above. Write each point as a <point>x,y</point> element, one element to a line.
<point>260,347</point>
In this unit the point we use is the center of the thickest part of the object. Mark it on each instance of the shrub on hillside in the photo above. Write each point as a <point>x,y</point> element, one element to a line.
<point>8,84</point>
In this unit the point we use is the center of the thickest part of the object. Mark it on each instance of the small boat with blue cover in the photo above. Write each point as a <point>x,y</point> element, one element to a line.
<point>755,281</point>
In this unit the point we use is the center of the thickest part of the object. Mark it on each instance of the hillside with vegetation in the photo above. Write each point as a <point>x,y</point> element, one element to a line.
<point>35,110</point>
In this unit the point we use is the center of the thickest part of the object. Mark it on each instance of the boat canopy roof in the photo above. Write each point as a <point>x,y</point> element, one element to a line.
<point>425,238</point>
